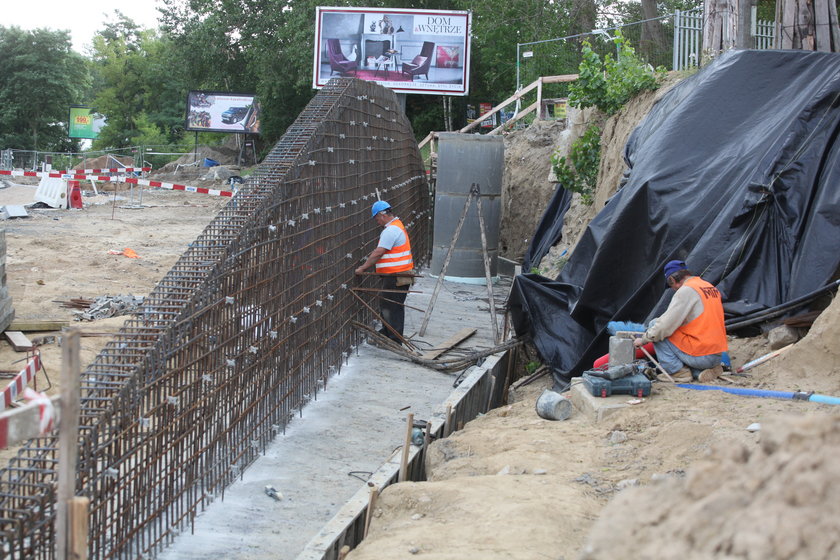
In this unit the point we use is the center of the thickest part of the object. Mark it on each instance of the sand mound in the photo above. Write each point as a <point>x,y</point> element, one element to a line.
<point>813,364</point>
<point>526,190</point>
<point>105,162</point>
<point>224,155</point>
<point>777,500</point>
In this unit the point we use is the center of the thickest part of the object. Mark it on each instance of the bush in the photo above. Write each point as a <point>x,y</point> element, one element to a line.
<point>579,171</point>
<point>610,85</point>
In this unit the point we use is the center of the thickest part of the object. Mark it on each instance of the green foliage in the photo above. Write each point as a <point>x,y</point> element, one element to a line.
<point>579,171</point>
<point>42,77</point>
<point>532,366</point>
<point>610,85</point>
<point>141,88</point>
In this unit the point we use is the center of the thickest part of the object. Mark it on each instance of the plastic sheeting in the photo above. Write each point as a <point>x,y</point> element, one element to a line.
<point>549,230</point>
<point>736,171</point>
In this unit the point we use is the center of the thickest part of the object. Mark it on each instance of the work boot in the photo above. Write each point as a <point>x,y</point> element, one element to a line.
<point>710,374</point>
<point>682,376</point>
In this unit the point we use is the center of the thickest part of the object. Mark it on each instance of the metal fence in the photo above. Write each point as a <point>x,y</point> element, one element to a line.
<point>132,156</point>
<point>250,322</point>
<point>688,36</point>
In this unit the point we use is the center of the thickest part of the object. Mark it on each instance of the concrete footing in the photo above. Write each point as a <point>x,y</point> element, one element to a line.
<point>596,408</point>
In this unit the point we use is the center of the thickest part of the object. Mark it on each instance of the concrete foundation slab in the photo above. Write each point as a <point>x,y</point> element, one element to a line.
<point>596,408</point>
<point>327,454</point>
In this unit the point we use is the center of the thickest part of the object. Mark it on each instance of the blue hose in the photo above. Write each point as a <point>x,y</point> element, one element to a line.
<point>824,399</point>
<point>796,395</point>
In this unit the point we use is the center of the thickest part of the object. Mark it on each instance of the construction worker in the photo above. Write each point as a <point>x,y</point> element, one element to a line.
<point>690,336</point>
<point>391,256</point>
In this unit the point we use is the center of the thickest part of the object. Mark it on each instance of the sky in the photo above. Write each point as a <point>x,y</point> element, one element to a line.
<point>83,19</point>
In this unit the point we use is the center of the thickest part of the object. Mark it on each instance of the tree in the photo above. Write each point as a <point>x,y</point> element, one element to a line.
<point>42,78</point>
<point>139,79</point>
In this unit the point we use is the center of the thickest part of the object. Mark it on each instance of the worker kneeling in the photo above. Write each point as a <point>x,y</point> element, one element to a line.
<point>690,336</point>
<point>392,258</point>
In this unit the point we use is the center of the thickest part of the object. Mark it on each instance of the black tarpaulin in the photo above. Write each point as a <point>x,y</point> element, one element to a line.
<point>736,171</point>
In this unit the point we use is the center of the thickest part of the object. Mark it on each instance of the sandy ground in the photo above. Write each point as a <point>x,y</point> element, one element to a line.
<point>56,255</point>
<point>677,476</point>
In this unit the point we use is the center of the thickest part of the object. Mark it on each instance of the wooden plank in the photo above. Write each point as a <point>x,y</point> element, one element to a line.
<point>822,25</point>
<point>529,109</point>
<point>33,325</point>
<point>834,26</point>
<point>79,520</point>
<point>68,440</point>
<point>18,340</point>
<point>450,343</point>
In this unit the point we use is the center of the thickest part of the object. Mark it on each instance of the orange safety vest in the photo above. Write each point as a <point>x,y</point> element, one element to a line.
<point>706,334</point>
<point>398,259</point>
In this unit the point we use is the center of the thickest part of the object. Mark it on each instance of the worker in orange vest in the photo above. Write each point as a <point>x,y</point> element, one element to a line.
<point>391,256</point>
<point>690,336</point>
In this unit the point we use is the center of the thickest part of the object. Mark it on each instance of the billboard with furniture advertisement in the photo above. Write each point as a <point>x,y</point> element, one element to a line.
<point>408,51</point>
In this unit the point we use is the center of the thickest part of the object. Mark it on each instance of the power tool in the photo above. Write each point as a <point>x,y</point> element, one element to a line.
<point>624,379</point>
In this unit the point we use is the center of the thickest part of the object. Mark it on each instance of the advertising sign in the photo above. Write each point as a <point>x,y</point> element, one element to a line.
<point>84,122</point>
<point>408,51</point>
<point>213,111</point>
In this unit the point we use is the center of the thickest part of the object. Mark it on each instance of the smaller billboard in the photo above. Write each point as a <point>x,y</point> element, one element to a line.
<point>84,122</point>
<point>214,111</point>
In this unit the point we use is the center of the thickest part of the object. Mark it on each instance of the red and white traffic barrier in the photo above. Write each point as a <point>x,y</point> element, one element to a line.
<point>20,382</point>
<point>111,179</point>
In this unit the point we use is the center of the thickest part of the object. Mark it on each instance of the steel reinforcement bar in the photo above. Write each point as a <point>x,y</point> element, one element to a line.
<point>246,327</point>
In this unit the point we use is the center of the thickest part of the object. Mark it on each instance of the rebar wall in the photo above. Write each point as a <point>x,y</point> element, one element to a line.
<point>239,335</point>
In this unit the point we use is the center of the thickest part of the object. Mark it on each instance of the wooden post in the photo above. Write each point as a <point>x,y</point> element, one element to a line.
<point>446,263</point>
<point>406,447</point>
<point>487,276</point>
<point>79,522</point>
<point>374,494</point>
<point>68,451</point>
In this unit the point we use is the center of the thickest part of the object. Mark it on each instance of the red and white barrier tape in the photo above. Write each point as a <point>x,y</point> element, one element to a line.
<point>108,178</point>
<point>46,410</point>
<point>19,382</point>
<point>22,173</point>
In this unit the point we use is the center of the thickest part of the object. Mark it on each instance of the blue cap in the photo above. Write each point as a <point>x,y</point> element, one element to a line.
<point>378,207</point>
<point>673,266</point>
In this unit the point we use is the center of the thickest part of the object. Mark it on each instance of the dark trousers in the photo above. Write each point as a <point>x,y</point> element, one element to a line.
<point>391,306</point>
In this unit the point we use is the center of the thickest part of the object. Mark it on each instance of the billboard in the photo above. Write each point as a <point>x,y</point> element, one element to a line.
<point>84,122</point>
<point>408,51</point>
<point>215,111</point>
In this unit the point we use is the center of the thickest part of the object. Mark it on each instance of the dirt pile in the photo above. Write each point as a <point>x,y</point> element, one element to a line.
<point>776,500</point>
<point>813,364</point>
<point>106,162</point>
<point>526,189</point>
<point>224,155</point>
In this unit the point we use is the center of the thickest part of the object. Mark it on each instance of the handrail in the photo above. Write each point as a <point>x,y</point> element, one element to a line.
<point>538,83</point>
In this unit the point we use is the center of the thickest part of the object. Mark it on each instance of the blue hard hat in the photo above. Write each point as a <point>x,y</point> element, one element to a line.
<point>673,266</point>
<point>378,207</point>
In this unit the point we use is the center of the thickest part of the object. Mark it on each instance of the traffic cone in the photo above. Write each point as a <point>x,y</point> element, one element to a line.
<point>75,195</point>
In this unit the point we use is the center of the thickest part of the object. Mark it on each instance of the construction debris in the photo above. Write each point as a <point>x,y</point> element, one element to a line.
<point>104,307</point>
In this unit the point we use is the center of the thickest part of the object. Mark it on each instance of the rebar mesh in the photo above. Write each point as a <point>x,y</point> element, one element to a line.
<point>240,333</point>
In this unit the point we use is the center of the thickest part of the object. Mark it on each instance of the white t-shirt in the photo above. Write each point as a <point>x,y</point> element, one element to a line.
<point>391,236</point>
